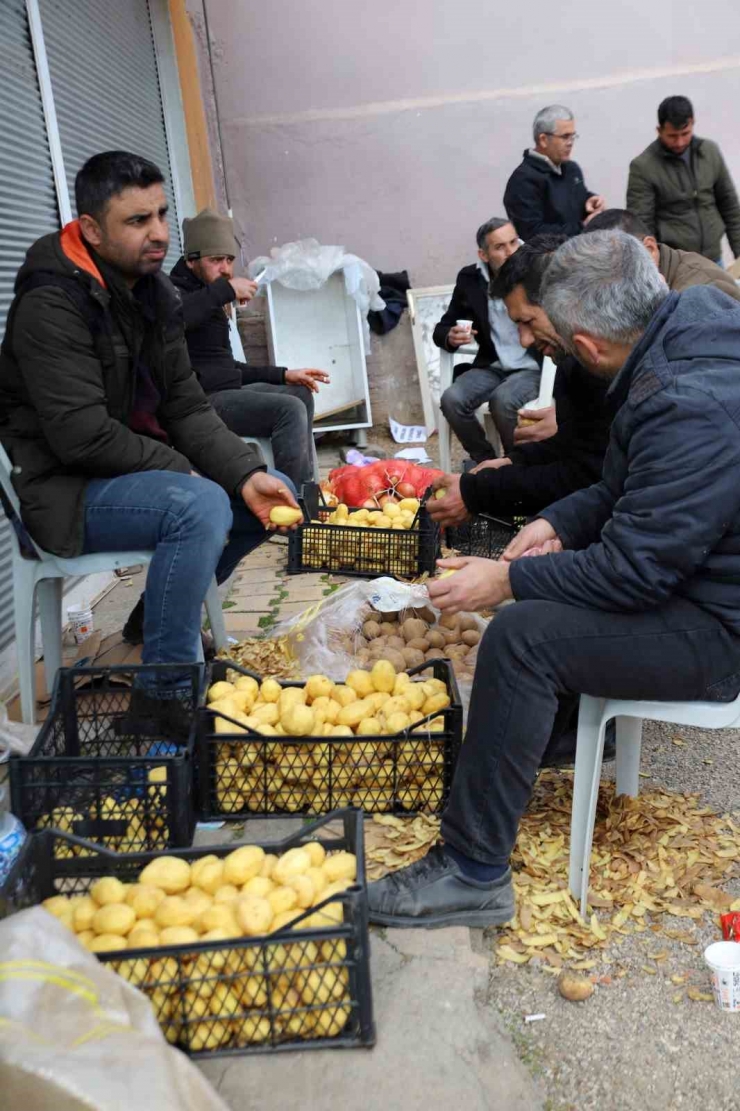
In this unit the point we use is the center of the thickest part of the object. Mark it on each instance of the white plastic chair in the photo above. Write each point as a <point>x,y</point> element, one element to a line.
<point>265,446</point>
<point>446,367</point>
<point>43,578</point>
<point>593,715</point>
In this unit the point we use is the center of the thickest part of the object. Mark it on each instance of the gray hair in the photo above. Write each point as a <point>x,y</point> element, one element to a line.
<point>546,119</point>
<point>490,225</point>
<point>604,284</point>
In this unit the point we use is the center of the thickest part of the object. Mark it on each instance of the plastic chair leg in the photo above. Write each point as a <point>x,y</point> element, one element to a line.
<point>589,752</point>
<point>49,594</point>
<point>215,613</point>
<point>443,435</point>
<point>629,746</point>
<point>24,592</point>
<point>315,458</point>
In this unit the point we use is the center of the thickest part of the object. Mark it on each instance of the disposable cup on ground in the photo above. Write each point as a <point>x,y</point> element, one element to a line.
<point>723,960</point>
<point>81,619</point>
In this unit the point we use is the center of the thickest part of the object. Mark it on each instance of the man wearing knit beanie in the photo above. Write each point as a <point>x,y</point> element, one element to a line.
<point>265,401</point>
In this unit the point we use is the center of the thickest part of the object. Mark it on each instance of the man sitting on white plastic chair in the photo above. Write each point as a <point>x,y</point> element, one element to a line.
<point>267,402</point>
<point>503,375</point>
<point>635,589</point>
<point>113,442</point>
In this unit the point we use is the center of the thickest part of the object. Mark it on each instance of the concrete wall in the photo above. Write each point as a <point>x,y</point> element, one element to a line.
<point>392,127</point>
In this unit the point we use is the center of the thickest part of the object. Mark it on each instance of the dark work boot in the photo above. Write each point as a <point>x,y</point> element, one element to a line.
<point>133,630</point>
<point>434,892</point>
<point>151,715</point>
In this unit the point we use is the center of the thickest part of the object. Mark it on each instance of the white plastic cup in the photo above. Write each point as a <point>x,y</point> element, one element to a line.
<point>723,960</point>
<point>466,324</point>
<point>81,619</point>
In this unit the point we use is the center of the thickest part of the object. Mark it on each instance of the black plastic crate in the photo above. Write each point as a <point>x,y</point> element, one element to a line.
<point>484,536</point>
<point>240,995</point>
<point>358,551</point>
<point>248,774</point>
<point>91,773</point>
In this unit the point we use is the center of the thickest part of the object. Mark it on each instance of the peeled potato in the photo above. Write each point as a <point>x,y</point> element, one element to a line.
<point>383,676</point>
<point>283,515</point>
<point>344,694</point>
<point>108,890</point>
<point>243,864</point>
<point>220,690</point>
<point>169,873</point>
<point>142,939</point>
<point>207,873</point>
<point>144,899</point>
<point>254,915</point>
<point>258,885</point>
<point>341,865</point>
<point>360,682</point>
<point>114,918</point>
<point>297,720</point>
<point>292,863</point>
<point>106,943</point>
<point>176,911</point>
<point>318,686</point>
<point>178,935</point>
<point>270,690</point>
<point>83,914</point>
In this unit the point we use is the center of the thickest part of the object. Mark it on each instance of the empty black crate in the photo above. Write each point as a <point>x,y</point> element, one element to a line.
<point>304,988</point>
<point>484,536</point>
<point>96,773</point>
<point>246,774</point>
<point>361,551</point>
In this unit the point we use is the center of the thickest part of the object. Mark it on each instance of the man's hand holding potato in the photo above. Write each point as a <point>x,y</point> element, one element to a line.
<point>263,492</point>
<point>476,584</point>
<point>450,509</point>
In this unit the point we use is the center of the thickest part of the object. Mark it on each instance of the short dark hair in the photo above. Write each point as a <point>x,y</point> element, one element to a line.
<point>526,267</point>
<point>490,225</point>
<point>621,219</point>
<point>107,174</point>
<point>675,110</point>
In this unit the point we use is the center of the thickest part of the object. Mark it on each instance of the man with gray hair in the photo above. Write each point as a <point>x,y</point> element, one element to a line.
<point>503,373</point>
<point>547,193</point>
<point>636,591</point>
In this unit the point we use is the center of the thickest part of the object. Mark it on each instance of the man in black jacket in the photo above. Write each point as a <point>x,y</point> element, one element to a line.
<point>113,442</point>
<point>635,591</point>
<point>503,373</point>
<point>265,401</point>
<point>532,475</point>
<point>547,192</point>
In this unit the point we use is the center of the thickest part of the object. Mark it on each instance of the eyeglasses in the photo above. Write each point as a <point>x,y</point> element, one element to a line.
<point>566,138</point>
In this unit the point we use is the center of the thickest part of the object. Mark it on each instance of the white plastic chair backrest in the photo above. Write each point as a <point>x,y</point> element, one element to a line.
<point>237,349</point>
<point>6,470</point>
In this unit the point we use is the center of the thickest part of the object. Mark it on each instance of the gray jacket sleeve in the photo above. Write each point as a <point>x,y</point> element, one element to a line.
<point>675,506</point>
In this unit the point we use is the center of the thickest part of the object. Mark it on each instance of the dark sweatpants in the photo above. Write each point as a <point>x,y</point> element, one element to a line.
<point>534,658</point>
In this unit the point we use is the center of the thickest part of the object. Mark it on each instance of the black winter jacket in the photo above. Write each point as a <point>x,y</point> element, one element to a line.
<point>207,334</point>
<point>538,200</point>
<point>64,413</point>
<point>469,302</point>
<point>544,472</point>
<point>665,518</point>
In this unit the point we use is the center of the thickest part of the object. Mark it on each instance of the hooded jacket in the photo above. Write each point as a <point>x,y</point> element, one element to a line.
<point>540,200</point>
<point>67,386</point>
<point>665,518</point>
<point>207,334</point>
<point>689,207</point>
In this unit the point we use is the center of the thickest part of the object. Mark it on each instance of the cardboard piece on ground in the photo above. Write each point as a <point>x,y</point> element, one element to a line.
<point>96,651</point>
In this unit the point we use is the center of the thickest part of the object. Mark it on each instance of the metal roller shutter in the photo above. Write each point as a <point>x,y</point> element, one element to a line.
<point>106,87</point>
<point>28,203</point>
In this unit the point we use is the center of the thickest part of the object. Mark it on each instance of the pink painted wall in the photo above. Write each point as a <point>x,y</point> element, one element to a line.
<point>392,127</point>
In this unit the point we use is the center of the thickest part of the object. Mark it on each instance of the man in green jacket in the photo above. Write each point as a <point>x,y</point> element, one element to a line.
<point>681,188</point>
<point>113,442</point>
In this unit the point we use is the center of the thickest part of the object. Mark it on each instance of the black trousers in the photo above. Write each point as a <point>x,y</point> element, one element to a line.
<point>534,660</point>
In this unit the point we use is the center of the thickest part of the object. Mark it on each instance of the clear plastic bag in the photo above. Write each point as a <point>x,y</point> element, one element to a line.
<point>14,736</point>
<point>306,264</point>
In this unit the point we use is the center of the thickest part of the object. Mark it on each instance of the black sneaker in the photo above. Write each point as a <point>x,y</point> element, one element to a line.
<point>562,753</point>
<point>434,892</point>
<point>133,630</point>
<point>150,715</point>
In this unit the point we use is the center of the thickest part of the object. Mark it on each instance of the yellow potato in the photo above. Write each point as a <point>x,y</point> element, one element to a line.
<point>247,683</point>
<point>254,915</point>
<point>330,1021</point>
<point>169,873</point>
<point>176,911</point>
<point>266,714</point>
<point>282,899</point>
<point>144,899</point>
<point>360,682</point>
<point>344,694</point>
<point>85,937</point>
<point>396,723</point>
<point>435,703</point>
<point>220,690</point>
<point>353,713</point>
<point>83,914</point>
<point>106,943</point>
<point>304,889</point>
<point>207,873</point>
<point>243,864</point>
<point>283,515</point>
<point>198,899</point>
<point>318,686</point>
<point>114,918</point>
<point>291,695</point>
<point>369,727</point>
<point>399,704</point>
<point>226,893</point>
<point>341,731</point>
<point>298,720</point>
<point>285,917</point>
<point>270,690</point>
<point>244,699</point>
<point>410,505</point>
<point>219,916</point>
<point>383,676</point>
<point>318,878</point>
<point>269,860</point>
<point>260,886</point>
<point>178,935</point>
<point>415,696</point>
<point>341,865</point>
<point>294,862</point>
<point>142,939</point>
<point>108,890</point>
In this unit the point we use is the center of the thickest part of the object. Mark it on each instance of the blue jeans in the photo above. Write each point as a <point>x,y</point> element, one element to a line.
<point>194,530</point>
<point>505,392</point>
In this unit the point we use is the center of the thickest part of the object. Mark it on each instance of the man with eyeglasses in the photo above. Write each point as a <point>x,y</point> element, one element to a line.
<point>546,194</point>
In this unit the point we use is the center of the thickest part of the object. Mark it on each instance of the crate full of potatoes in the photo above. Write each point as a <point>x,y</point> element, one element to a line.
<point>397,538</point>
<point>383,740</point>
<point>104,771</point>
<point>255,948</point>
